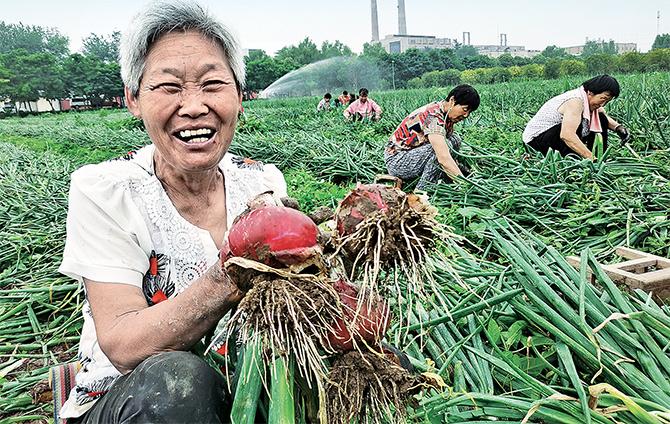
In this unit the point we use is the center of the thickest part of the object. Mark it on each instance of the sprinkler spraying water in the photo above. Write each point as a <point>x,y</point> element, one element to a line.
<point>334,74</point>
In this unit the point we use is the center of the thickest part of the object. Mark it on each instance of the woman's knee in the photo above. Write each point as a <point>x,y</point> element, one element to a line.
<point>180,375</point>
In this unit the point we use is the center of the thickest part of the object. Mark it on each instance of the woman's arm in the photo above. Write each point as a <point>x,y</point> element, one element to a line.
<point>377,109</point>
<point>611,123</point>
<point>444,158</point>
<point>572,117</point>
<point>348,111</point>
<point>129,331</point>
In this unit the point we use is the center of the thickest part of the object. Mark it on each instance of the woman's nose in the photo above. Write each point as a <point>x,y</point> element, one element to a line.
<point>192,104</point>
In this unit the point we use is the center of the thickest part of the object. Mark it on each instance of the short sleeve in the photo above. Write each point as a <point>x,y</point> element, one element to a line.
<point>103,241</point>
<point>432,124</point>
<point>274,179</point>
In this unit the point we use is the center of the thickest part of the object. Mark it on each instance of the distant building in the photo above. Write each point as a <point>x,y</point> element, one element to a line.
<point>497,51</point>
<point>400,43</point>
<point>41,105</point>
<point>620,48</point>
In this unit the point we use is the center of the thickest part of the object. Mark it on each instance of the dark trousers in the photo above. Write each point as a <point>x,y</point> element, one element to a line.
<point>551,139</point>
<point>171,387</point>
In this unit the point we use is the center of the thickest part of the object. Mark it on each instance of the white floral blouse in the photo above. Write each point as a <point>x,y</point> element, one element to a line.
<point>122,227</point>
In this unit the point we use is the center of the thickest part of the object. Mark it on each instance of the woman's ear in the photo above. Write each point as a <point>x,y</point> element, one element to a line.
<point>132,103</point>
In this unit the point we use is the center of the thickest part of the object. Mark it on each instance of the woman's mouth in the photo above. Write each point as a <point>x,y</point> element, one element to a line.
<point>195,136</point>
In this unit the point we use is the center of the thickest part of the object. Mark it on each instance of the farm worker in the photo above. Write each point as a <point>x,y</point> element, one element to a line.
<point>569,122</point>
<point>144,232</point>
<point>344,98</point>
<point>363,108</point>
<point>421,146</point>
<point>324,104</point>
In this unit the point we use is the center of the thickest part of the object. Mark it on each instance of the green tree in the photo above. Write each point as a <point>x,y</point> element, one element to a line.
<point>32,39</point>
<point>375,51</point>
<point>599,47</point>
<point>409,64</point>
<point>478,61</point>
<point>631,62</point>
<point>601,63</point>
<point>4,81</point>
<point>32,76</point>
<point>105,48</point>
<point>92,78</point>
<point>265,70</point>
<point>657,60</point>
<point>337,48</point>
<point>662,41</point>
<point>444,78</point>
<point>441,59</point>
<point>553,52</point>
<point>303,54</point>
<point>532,71</point>
<point>552,69</point>
<point>572,67</point>
<point>506,60</point>
<point>463,51</point>
<point>415,83</point>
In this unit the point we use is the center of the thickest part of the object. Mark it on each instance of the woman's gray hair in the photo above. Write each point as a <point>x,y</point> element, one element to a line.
<point>165,16</point>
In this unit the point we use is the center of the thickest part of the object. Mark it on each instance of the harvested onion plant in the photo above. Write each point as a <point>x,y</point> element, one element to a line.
<point>366,382</point>
<point>385,238</point>
<point>291,304</point>
<point>295,316</point>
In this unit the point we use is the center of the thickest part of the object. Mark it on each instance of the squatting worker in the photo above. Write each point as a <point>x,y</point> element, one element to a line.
<point>144,232</point>
<point>363,108</point>
<point>344,98</point>
<point>421,146</point>
<point>324,104</point>
<point>569,122</point>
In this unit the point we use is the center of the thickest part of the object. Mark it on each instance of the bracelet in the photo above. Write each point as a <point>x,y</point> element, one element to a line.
<point>616,129</point>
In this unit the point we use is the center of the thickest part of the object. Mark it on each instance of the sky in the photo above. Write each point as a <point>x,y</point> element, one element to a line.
<point>271,25</point>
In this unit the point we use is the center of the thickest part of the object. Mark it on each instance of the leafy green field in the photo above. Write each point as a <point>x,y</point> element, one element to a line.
<point>520,212</point>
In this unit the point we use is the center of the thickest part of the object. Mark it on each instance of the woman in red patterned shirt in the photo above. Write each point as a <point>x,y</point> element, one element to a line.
<point>421,145</point>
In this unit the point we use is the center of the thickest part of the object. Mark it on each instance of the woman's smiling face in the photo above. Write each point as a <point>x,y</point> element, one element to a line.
<point>189,101</point>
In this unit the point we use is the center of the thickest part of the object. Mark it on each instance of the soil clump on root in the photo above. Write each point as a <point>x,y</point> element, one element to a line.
<point>369,387</point>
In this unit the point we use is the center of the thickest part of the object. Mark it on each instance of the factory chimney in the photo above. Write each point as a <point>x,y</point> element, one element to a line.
<point>375,21</point>
<point>402,24</point>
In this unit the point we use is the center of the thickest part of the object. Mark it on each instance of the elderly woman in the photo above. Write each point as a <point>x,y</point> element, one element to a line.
<point>144,232</point>
<point>569,122</point>
<point>421,146</point>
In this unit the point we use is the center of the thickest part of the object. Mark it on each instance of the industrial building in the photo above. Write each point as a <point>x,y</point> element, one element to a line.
<point>401,42</point>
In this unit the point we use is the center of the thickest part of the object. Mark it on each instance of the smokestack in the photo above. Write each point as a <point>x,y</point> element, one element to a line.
<point>402,24</point>
<point>375,21</point>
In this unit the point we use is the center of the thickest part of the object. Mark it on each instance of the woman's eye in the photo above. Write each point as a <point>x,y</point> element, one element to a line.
<point>213,85</point>
<point>170,87</point>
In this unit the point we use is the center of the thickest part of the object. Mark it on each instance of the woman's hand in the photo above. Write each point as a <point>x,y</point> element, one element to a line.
<point>623,133</point>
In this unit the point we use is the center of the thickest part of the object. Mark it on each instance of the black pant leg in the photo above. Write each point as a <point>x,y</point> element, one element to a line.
<point>604,123</point>
<point>171,387</point>
<point>550,139</point>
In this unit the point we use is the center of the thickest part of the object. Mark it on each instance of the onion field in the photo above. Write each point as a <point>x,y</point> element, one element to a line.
<point>515,332</point>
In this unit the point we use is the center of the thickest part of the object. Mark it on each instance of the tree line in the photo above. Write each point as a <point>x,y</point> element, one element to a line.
<point>416,68</point>
<point>35,62</point>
